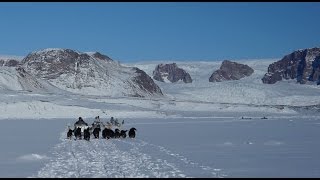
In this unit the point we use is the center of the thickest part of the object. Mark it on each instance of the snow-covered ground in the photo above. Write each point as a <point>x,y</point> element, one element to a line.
<point>195,130</point>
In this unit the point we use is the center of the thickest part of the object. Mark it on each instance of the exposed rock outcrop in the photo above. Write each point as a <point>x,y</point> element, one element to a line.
<point>302,65</point>
<point>171,73</point>
<point>145,82</point>
<point>230,71</point>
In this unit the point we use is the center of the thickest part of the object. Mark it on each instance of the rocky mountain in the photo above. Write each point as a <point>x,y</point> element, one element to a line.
<point>88,73</point>
<point>171,73</point>
<point>302,65</point>
<point>230,71</point>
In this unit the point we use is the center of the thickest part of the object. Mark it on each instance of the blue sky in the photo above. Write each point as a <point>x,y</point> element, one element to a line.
<point>161,31</point>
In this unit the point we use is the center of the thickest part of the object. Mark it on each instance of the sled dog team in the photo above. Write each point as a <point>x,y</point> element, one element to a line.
<point>82,130</point>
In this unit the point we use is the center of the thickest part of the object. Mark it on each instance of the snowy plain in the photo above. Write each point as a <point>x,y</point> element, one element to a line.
<point>195,130</point>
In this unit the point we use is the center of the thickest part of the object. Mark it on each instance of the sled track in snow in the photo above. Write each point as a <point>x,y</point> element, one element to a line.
<point>118,158</point>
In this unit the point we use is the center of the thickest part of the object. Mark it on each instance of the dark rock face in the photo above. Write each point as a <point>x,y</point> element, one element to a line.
<point>145,82</point>
<point>9,62</point>
<point>230,71</point>
<point>51,63</point>
<point>302,65</point>
<point>171,72</point>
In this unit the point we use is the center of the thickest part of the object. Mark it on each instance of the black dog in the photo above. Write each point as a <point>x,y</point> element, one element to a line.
<point>69,134</point>
<point>86,134</point>
<point>123,133</point>
<point>117,133</point>
<point>77,133</point>
<point>96,132</point>
<point>132,133</point>
<point>104,133</point>
<point>107,133</point>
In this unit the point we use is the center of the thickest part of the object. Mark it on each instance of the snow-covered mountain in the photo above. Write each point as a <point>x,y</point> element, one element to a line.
<point>88,73</point>
<point>62,72</point>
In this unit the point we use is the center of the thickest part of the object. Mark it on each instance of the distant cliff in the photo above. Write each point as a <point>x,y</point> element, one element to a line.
<point>171,73</point>
<point>230,71</point>
<point>302,65</point>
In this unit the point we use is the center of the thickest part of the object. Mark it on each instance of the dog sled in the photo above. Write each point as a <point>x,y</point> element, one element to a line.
<point>110,129</point>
